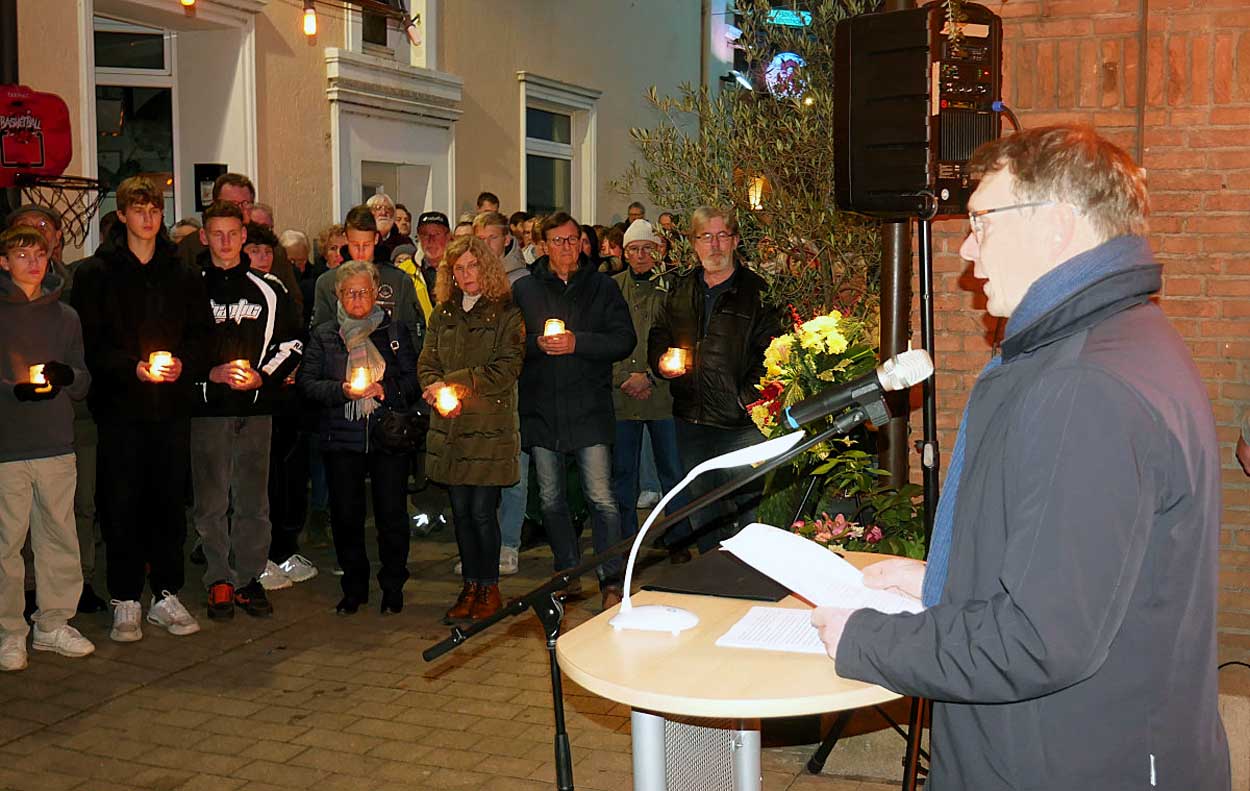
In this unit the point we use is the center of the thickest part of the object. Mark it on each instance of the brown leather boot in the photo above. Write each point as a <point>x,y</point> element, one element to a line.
<point>464,603</point>
<point>487,602</point>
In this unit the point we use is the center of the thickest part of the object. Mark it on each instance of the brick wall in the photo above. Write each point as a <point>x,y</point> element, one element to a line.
<point>1077,61</point>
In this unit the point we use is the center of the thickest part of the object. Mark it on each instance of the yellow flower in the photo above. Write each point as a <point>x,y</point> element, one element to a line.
<point>777,355</point>
<point>762,417</point>
<point>822,334</point>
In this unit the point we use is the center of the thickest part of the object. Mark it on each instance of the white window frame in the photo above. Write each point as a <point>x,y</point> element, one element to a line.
<point>109,25</point>
<point>579,103</point>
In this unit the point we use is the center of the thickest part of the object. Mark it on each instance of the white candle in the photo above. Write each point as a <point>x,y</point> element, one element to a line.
<point>159,363</point>
<point>36,375</point>
<point>360,380</point>
<point>674,360</point>
<point>447,400</point>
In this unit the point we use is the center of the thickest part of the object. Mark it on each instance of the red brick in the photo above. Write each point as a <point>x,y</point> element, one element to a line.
<point>1025,52</point>
<point>1045,76</point>
<point>1178,70</point>
<point>1236,159</point>
<point>1241,74</point>
<point>1113,72</point>
<point>1054,27</point>
<point>1239,201</point>
<point>1112,25</point>
<point>1222,80</point>
<point>1230,116</point>
<point>1217,138</point>
<point>1068,74</point>
<point>1200,77</point>
<point>1183,286</point>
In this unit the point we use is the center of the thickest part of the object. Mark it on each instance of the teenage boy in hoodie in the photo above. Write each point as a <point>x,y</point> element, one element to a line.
<point>253,346</point>
<point>37,471</point>
<point>136,298</point>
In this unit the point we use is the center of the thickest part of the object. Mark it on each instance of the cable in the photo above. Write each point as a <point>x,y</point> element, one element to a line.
<point>1000,107</point>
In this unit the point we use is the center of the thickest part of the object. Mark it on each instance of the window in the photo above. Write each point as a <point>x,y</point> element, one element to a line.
<point>373,28</point>
<point>122,47</point>
<point>558,159</point>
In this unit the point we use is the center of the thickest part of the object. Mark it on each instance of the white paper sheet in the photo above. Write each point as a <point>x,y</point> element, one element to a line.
<point>774,629</point>
<point>812,571</point>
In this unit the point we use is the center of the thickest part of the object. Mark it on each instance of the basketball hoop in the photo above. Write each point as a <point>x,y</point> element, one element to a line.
<point>75,198</point>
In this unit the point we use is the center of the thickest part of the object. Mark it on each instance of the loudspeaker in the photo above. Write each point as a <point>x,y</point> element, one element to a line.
<point>911,106</point>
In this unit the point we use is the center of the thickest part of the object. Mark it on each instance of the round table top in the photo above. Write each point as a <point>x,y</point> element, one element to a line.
<point>688,674</point>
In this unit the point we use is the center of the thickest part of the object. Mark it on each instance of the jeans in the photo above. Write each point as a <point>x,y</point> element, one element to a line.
<point>648,472</point>
<point>288,486</point>
<point>475,511</point>
<point>725,518</point>
<point>626,458</point>
<point>141,488</point>
<point>230,472</point>
<point>512,505</point>
<point>388,474</point>
<point>595,466</point>
<point>37,497</point>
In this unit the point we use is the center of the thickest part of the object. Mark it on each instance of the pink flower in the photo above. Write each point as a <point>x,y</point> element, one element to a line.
<point>839,525</point>
<point>873,535</point>
<point>799,525</point>
<point>824,537</point>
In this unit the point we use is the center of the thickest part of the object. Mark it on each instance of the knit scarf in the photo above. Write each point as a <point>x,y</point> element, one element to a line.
<point>361,353</point>
<point>1047,292</point>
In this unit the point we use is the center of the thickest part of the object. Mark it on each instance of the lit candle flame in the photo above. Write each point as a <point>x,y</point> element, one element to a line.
<point>553,327</point>
<point>36,375</point>
<point>447,400</point>
<point>674,360</point>
<point>360,380</point>
<point>159,363</point>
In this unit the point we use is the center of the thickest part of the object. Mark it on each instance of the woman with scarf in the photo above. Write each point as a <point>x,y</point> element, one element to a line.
<point>474,351</point>
<point>355,368</point>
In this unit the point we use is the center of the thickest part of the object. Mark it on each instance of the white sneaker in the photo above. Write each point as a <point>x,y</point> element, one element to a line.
<point>508,560</point>
<point>298,568</point>
<point>13,652</point>
<point>66,641</point>
<point>170,614</point>
<point>273,579</point>
<point>648,499</point>
<point>126,628</point>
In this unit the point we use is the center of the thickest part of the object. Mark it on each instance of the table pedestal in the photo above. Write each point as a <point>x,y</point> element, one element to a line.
<point>676,753</point>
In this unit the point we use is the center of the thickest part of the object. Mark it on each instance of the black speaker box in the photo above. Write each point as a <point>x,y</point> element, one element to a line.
<point>911,106</point>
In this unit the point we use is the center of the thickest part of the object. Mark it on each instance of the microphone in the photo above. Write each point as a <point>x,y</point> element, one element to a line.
<point>897,373</point>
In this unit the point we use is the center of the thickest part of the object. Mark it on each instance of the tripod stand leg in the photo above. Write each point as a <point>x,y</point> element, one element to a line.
<point>817,762</point>
<point>915,730</point>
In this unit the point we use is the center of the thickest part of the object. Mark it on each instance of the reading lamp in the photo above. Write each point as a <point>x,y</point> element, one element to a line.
<point>662,618</point>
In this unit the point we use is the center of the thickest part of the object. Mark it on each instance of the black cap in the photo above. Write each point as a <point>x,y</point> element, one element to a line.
<point>433,217</point>
<point>260,234</point>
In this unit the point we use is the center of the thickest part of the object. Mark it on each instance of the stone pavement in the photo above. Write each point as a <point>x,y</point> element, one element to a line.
<point>311,700</point>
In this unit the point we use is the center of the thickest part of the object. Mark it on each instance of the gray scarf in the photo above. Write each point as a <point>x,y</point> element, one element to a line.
<point>361,353</point>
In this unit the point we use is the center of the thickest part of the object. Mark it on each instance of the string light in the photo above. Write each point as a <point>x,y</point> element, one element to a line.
<point>310,19</point>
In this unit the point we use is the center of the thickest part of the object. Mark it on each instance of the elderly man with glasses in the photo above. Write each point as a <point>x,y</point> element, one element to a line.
<point>708,341</point>
<point>577,324</point>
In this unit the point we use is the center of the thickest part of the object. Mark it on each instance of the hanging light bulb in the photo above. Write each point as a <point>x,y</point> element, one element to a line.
<point>310,19</point>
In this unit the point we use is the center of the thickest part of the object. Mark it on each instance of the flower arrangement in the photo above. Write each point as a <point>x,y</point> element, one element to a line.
<point>825,350</point>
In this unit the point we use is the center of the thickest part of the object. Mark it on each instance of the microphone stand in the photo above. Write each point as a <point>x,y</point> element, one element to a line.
<point>544,600</point>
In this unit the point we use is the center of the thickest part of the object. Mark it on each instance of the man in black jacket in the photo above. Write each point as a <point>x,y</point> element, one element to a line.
<point>716,315</point>
<point>566,389</point>
<point>135,298</point>
<point>253,347</point>
<point>1069,640</point>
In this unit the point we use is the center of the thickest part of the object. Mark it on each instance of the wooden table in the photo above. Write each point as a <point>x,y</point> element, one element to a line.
<point>689,675</point>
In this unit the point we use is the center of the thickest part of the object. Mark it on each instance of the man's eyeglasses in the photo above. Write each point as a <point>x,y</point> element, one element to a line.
<point>978,225</point>
<point>720,236</point>
<point>564,241</point>
<point>358,293</point>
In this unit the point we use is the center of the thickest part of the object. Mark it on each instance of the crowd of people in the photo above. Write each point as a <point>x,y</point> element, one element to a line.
<point>223,374</point>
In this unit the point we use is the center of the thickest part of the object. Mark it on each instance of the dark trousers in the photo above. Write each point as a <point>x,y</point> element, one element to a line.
<point>627,464</point>
<point>141,484</point>
<point>726,517</point>
<point>475,510</point>
<point>388,474</point>
<point>288,485</point>
<point>594,464</point>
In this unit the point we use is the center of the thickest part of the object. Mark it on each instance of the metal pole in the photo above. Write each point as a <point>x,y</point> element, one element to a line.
<point>892,451</point>
<point>10,198</point>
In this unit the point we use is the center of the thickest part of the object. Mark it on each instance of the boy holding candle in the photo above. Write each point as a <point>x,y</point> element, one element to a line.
<point>42,368</point>
<point>135,298</point>
<point>253,346</point>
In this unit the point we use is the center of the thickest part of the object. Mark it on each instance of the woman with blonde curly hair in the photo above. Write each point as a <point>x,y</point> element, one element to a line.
<point>474,347</point>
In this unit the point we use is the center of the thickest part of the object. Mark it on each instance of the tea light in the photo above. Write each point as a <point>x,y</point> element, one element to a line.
<point>674,360</point>
<point>159,363</point>
<point>447,400</point>
<point>553,327</point>
<point>360,380</point>
<point>37,378</point>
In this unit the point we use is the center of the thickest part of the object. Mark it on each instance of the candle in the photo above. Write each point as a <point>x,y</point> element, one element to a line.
<point>360,380</point>
<point>674,360</point>
<point>241,369</point>
<point>37,378</point>
<point>159,363</point>
<point>447,400</point>
<point>553,327</point>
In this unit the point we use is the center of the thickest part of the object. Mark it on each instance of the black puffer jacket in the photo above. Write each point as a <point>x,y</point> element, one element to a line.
<point>130,310</point>
<point>324,370</point>
<point>727,359</point>
<point>566,400</point>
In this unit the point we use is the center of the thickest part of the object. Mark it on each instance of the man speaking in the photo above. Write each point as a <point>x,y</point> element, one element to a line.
<point>1069,636</point>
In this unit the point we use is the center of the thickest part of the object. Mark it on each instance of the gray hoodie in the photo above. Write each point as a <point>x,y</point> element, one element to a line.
<point>33,332</point>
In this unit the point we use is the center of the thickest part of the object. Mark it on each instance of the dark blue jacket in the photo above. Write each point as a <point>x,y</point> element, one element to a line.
<point>324,370</point>
<point>566,400</point>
